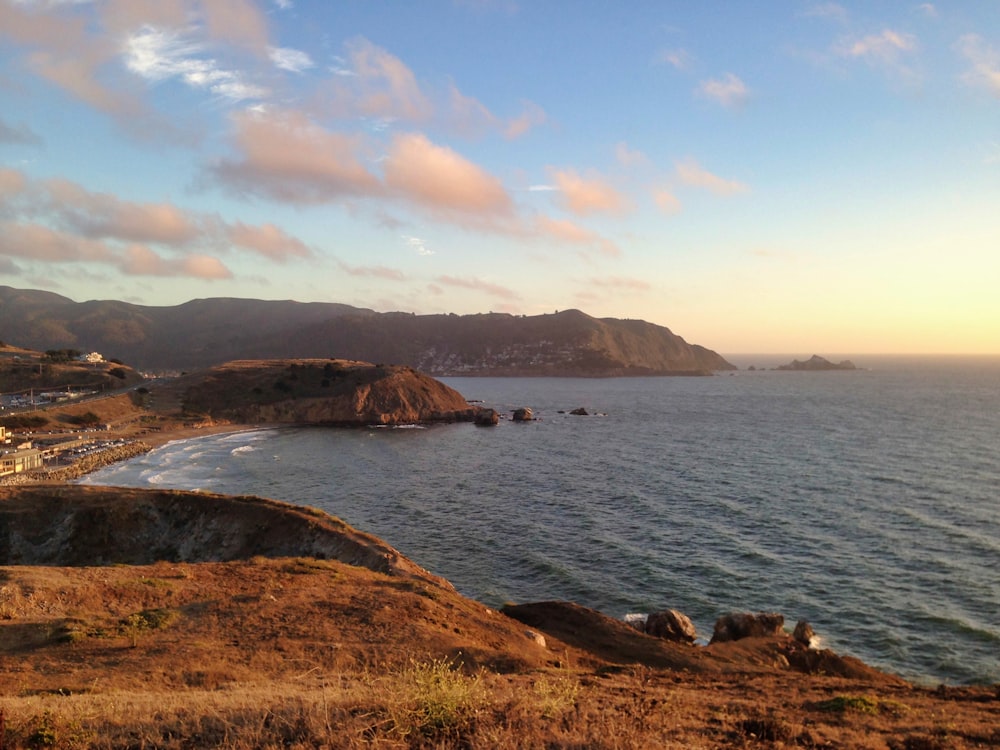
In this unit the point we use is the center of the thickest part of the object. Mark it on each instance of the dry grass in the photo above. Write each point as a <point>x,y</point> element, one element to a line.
<point>296,653</point>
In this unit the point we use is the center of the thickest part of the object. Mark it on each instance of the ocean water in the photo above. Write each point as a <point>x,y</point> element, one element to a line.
<point>865,502</point>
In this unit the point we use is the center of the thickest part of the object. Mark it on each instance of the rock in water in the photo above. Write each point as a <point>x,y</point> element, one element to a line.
<point>523,414</point>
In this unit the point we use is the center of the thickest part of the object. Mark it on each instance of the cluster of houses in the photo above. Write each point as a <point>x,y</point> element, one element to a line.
<point>17,458</point>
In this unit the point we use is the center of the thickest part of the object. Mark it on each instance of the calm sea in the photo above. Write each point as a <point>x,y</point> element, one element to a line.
<point>866,502</point>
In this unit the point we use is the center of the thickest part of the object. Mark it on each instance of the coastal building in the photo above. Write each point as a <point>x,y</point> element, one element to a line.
<point>16,461</point>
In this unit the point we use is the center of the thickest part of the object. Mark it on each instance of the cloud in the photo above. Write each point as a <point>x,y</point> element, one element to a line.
<point>18,135</point>
<point>628,157</point>
<point>729,91</point>
<point>985,63</point>
<point>590,195</point>
<point>292,60</point>
<point>886,51</point>
<point>690,172</point>
<point>380,85</point>
<point>666,201</point>
<point>138,260</point>
<point>285,156</point>
<point>418,245</point>
<point>478,285</point>
<point>269,241</point>
<point>441,181</point>
<point>60,221</point>
<point>679,58</point>
<point>160,54</point>
<point>531,117</point>
<point>378,272</point>
<point>829,11</point>
<point>99,215</point>
<point>567,231</point>
<point>928,10</point>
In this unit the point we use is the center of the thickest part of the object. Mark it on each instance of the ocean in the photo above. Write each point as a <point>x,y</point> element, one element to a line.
<point>866,502</point>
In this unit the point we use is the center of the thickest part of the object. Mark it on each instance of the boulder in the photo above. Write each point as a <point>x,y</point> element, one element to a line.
<point>523,414</point>
<point>487,417</point>
<point>580,412</point>
<point>804,633</point>
<point>671,625</point>
<point>737,625</point>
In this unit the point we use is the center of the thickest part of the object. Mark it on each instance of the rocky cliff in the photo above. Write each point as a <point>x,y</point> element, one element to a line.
<point>322,392</point>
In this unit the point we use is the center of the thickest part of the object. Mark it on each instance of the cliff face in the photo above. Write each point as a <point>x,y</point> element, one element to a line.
<point>324,392</point>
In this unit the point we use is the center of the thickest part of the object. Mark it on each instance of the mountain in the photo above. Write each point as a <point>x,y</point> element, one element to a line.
<point>206,332</point>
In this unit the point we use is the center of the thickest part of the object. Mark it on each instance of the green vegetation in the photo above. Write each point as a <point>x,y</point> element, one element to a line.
<point>24,422</point>
<point>846,703</point>
<point>61,355</point>
<point>84,420</point>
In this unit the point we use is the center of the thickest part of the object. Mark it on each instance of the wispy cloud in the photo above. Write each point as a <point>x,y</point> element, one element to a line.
<point>829,11</point>
<point>159,54</point>
<point>628,157</point>
<point>18,134</point>
<point>690,172</point>
<point>418,245</point>
<point>666,201</point>
<point>292,60</point>
<point>888,51</point>
<point>478,285</point>
<point>985,63</point>
<point>928,9</point>
<point>680,59</point>
<point>377,272</point>
<point>729,90</point>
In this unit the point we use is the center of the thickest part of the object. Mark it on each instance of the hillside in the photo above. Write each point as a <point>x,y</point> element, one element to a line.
<point>22,370</point>
<point>320,392</point>
<point>202,333</point>
<point>146,618</point>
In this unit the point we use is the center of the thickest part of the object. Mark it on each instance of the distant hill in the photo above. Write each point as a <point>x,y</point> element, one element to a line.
<point>22,370</point>
<point>206,332</point>
<point>816,363</point>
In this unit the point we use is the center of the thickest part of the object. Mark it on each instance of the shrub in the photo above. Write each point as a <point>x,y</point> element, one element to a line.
<point>118,372</point>
<point>434,700</point>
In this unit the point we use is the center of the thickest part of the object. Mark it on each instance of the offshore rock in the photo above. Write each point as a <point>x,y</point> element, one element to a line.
<point>738,625</point>
<point>580,412</point>
<point>487,418</point>
<point>671,625</point>
<point>523,414</point>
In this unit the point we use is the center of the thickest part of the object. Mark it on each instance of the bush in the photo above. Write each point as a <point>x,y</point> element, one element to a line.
<point>84,420</point>
<point>118,372</point>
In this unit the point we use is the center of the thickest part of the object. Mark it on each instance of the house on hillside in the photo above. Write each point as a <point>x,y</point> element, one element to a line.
<point>93,358</point>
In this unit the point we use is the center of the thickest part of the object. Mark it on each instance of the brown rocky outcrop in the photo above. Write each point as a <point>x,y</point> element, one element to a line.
<point>323,392</point>
<point>738,625</point>
<point>671,625</point>
<point>523,414</point>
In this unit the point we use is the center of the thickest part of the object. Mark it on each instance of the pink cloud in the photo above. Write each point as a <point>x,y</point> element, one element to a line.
<point>531,117</point>
<point>378,272</point>
<point>269,241</point>
<point>138,260</point>
<point>628,157</point>
<point>692,173</point>
<point>287,157</point>
<point>985,63</point>
<point>102,215</point>
<point>478,285</point>
<point>585,196</point>
<point>37,242</point>
<point>666,201</point>
<point>567,231</point>
<point>379,85</point>
<point>443,182</point>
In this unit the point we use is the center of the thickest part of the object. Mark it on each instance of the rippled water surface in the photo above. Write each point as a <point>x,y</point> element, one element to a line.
<point>866,502</point>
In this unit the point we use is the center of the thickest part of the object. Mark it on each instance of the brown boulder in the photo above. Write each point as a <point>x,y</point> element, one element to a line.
<point>487,418</point>
<point>737,625</point>
<point>671,625</point>
<point>523,414</point>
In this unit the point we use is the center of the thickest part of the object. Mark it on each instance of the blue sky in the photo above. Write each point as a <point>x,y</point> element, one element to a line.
<point>759,177</point>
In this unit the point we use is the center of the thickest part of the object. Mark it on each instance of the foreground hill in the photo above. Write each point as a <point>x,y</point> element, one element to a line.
<point>202,333</point>
<point>144,618</point>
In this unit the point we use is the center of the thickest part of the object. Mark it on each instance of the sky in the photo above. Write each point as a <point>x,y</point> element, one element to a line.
<point>782,176</point>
